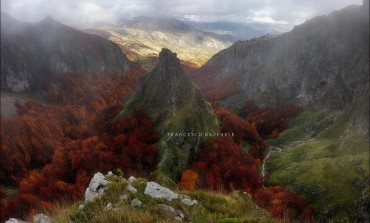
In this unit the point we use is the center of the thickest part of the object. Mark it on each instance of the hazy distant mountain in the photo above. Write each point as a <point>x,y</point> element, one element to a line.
<point>31,52</point>
<point>142,38</point>
<point>232,31</point>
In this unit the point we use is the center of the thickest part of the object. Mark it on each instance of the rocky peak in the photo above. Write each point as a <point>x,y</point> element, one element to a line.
<point>176,106</point>
<point>48,18</point>
<point>165,85</point>
<point>49,22</point>
<point>169,64</point>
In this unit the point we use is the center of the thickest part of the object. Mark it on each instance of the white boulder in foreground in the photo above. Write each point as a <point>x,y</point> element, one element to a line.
<point>189,202</point>
<point>96,187</point>
<point>41,218</point>
<point>155,190</point>
<point>136,202</point>
<point>131,188</point>
<point>14,220</point>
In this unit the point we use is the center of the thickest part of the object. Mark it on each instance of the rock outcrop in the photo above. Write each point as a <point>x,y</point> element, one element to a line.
<point>175,106</point>
<point>96,187</point>
<point>137,192</point>
<point>155,190</point>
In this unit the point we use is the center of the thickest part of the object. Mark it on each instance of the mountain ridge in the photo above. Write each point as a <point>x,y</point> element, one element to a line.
<point>279,62</point>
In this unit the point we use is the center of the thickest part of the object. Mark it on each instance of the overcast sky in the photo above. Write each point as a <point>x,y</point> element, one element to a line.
<point>286,13</point>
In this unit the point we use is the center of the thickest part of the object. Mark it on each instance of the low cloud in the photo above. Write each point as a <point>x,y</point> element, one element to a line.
<point>85,12</point>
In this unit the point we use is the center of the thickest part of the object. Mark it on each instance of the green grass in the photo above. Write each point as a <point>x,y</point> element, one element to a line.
<point>324,159</point>
<point>212,207</point>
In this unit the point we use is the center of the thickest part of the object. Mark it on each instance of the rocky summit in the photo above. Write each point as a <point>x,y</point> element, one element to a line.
<point>176,107</point>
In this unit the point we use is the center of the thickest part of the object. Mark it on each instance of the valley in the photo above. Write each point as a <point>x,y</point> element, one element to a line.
<point>143,38</point>
<point>80,101</point>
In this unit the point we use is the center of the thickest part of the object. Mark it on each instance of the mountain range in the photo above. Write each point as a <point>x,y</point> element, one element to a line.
<point>142,38</point>
<point>234,31</point>
<point>102,89</point>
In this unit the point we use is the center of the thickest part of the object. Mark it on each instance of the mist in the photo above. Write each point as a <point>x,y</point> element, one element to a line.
<point>284,13</point>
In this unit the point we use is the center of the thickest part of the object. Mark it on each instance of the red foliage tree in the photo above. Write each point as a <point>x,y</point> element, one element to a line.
<point>269,122</point>
<point>281,203</point>
<point>242,129</point>
<point>223,165</point>
<point>64,142</point>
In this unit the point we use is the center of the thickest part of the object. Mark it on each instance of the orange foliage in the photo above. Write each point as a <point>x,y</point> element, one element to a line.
<point>188,180</point>
<point>281,203</point>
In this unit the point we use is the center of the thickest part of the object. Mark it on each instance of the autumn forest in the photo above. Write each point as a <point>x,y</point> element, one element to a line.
<point>50,152</point>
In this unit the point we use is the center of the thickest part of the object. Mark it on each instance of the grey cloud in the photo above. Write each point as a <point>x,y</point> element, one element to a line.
<point>83,12</point>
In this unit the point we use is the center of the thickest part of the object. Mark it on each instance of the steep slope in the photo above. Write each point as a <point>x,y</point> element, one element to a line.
<point>176,107</point>
<point>323,65</point>
<point>324,59</point>
<point>142,38</point>
<point>30,53</point>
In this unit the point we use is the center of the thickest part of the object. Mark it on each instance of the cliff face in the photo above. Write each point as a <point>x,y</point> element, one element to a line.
<point>176,106</point>
<point>31,52</point>
<point>323,61</point>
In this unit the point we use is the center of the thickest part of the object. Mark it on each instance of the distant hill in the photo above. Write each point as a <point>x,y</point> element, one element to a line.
<point>142,38</point>
<point>233,31</point>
